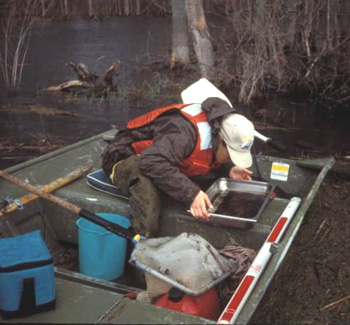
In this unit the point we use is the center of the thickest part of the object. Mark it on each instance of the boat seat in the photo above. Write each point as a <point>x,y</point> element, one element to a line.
<point>175,219</point>
<point>101,182</point>
<point>98,180</point>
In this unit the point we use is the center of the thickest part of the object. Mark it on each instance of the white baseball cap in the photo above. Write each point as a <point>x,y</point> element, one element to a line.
<point>238,133</point>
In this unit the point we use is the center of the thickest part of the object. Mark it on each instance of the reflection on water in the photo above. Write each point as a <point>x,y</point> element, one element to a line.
<point>95,43</point>
<point>130,40</point>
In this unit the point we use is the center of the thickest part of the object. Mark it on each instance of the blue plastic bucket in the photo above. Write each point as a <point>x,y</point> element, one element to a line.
<point>101,253</point>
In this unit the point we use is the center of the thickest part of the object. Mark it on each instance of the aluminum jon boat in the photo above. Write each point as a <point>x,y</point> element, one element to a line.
<point>84,299</point>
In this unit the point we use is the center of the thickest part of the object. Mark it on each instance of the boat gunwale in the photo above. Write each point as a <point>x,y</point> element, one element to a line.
<point>322,165</point>
<point>292,230</point>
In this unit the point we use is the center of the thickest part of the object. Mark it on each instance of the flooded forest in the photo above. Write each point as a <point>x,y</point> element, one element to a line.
<point>71,69</point>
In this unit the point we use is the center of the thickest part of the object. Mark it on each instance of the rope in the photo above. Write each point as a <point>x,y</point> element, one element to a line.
<point>244,258</point>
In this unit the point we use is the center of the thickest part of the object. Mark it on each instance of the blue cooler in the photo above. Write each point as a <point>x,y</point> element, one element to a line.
<point>27,283</point>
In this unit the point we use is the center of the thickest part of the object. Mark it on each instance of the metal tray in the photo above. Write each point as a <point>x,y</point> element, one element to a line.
<point>222,188</point>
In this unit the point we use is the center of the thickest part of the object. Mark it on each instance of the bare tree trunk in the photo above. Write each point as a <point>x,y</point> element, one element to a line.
<point>201,37</point>
<point>320,26</point>
<point>328,26</point>
<point>180,49</point>
<point>91,9</point>
<point>43,10</point>
<point>237,9</point>
<point>126,7</point>
<point>334,24</point>
<point>291,26</point>
<point>138,7</point>
<point>308,24</point>
<point>66,8</point>
<point>117,7</point>
<point>260,9</point>
<point>343,24</point>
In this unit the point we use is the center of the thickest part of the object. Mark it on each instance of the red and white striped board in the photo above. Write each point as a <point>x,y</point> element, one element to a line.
<point>239,298</point>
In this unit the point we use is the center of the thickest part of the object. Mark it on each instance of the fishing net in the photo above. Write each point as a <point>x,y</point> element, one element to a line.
<point>187,259</point>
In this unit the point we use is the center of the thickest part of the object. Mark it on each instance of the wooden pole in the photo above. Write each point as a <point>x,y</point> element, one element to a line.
<point>46,188</point>
<point>39,192</point>
<point>108,225</point>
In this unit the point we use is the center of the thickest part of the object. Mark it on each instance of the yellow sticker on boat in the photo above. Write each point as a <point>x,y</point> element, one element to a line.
<point>279,171</point>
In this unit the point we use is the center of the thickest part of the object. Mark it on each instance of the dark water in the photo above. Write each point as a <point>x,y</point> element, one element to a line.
<point>94,43</point>
<point>37,118</point>
<point>34,117</point>
<point>241,205</point>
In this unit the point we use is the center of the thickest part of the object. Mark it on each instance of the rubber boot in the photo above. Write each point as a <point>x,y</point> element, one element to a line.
<point>144,196</point>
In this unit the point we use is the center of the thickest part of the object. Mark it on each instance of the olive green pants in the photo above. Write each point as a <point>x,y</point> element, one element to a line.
<point>144,196</point>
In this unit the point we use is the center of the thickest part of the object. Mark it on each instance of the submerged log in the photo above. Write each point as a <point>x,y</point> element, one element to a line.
<point>82,72</point>
<point>110,72</point>
<point>67,85</point>
<point>86,82</point>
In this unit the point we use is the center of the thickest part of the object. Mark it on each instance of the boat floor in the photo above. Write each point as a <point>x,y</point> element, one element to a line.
<point>87,304</point>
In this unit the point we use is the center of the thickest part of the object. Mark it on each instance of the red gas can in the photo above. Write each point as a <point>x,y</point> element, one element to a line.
<point>205,305</point>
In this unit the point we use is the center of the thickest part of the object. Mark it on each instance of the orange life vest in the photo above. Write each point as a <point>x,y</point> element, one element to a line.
<point>201,160</point>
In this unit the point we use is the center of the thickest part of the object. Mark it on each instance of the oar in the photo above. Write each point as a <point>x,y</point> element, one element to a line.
<point>114,228</point>
<point>52,186</point>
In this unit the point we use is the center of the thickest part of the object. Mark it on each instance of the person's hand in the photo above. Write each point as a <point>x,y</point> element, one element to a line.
<point>199,206</point>
<point>240,173</point>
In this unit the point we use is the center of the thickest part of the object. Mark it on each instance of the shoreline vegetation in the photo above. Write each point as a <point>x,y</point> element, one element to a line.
<point>293,51</point>
<point>262,48</point>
